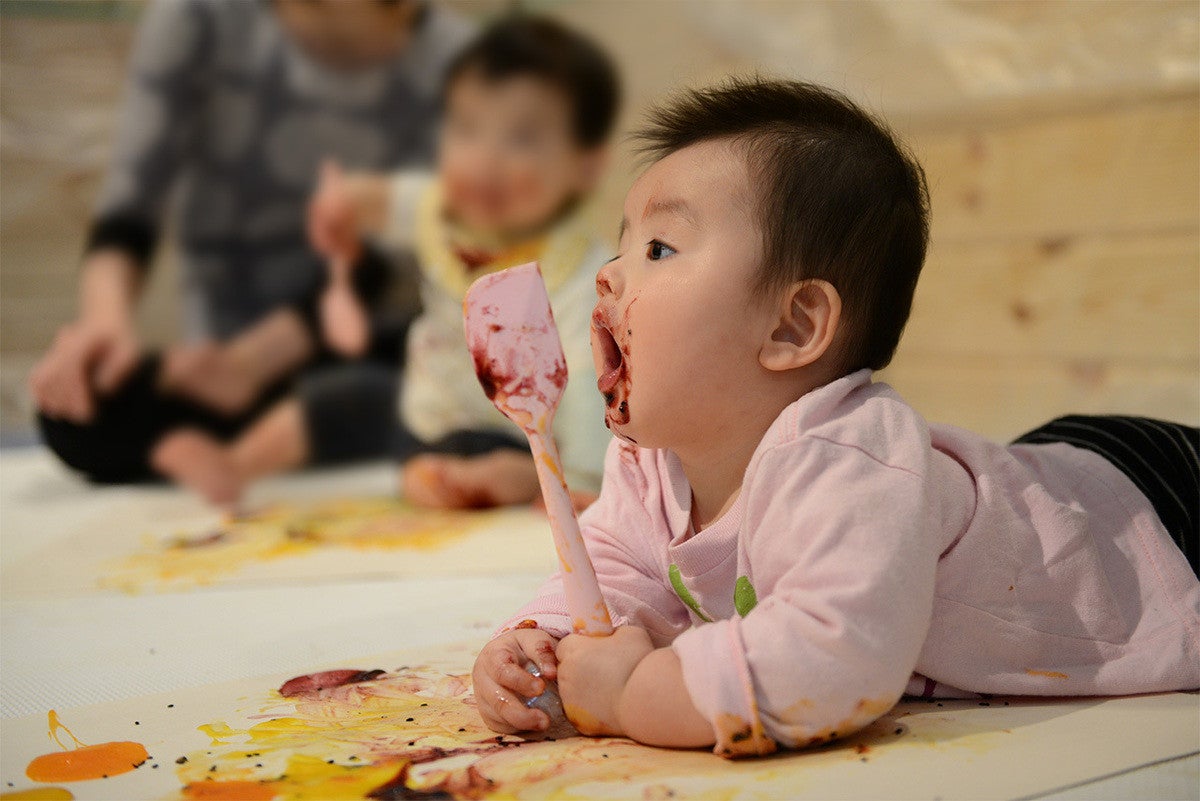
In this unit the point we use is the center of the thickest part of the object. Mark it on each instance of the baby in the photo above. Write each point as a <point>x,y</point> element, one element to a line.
<point>528,106</point>
<point>786,546</point>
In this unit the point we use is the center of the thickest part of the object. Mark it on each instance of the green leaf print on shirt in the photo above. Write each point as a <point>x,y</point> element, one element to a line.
<point>744,596</point>
<point>684,594</point>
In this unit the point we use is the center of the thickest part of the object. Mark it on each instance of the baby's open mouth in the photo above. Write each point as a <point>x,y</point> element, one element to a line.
<point>610,355</point>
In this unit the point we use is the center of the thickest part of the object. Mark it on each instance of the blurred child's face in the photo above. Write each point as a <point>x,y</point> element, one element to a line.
<point>508,157</point>
<point>348,34</point>
<point>677,327</point>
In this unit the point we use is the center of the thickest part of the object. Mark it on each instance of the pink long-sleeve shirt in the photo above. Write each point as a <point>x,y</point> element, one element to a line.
<point>869,551</point>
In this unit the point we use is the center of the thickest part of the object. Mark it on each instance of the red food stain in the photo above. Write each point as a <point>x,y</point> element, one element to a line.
<point>314,682</point>
<point>484,370</point>
<point>474,258</point>
<point>527,624</point>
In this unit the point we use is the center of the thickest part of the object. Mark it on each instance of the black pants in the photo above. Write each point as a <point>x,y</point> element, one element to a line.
<point>348,408</point>
<point>1162,459</point>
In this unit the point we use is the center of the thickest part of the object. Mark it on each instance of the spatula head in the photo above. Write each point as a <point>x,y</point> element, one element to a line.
<point>514,342</point>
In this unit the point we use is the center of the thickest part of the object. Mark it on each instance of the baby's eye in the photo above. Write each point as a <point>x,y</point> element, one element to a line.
<point>657,250</point>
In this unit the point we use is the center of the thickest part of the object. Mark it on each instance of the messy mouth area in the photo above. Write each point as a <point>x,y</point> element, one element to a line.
<point>611,360</point>
<point>613,381</point>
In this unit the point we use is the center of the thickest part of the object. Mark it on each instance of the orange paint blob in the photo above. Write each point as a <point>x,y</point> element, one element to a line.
<point>229,791</point>
<point>89,762</point>
<point>85,761</point>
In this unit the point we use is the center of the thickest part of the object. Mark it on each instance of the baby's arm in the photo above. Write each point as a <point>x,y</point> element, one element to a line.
<point>623,686</point>
<point>842,555</point>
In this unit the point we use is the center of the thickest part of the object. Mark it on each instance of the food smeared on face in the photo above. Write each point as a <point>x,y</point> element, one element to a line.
<point>610,349</point>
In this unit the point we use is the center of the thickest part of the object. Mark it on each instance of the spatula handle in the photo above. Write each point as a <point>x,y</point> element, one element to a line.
<point>589,613</point>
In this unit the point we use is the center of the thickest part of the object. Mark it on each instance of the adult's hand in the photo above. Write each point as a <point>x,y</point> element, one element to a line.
<point>95,354</point>
<point>87,358</point>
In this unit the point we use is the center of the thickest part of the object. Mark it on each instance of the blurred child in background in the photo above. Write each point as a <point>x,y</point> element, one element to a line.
<point>529,107</point>
<point>232,105</point>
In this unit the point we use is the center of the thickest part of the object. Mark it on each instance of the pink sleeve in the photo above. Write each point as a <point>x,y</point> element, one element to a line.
<point>621,541</point>
<point>841,554</point>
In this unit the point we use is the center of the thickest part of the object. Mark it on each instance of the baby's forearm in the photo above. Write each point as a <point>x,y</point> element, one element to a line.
<point>655,708</point>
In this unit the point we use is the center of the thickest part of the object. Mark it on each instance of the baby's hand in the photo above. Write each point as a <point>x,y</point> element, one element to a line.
<point>502,683</point>
<point>593,674</point>
<point>333,225</point>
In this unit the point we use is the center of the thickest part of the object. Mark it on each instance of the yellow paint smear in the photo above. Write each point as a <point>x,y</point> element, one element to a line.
<point>288,531</point>
<point>419,728</point>
<point>39,794</point>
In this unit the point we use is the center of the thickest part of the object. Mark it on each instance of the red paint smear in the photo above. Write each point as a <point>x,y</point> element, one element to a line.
<point>493,378</point>
<point>314,682</point>
<point>87,762</point>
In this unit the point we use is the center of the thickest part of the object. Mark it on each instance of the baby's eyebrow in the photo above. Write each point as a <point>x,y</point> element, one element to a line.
<point>676,206</point>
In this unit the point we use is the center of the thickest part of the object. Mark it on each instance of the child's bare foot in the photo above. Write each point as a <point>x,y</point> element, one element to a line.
<point>499,478</point>
<point>197,461</point>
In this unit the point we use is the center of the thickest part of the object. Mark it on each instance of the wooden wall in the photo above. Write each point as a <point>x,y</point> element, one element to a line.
<point>1064,273</point>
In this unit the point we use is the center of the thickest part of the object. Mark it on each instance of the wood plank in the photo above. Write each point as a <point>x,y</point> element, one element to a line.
<point>1133,298</point>
<point>1122,170</point>
<point>1004,397</point>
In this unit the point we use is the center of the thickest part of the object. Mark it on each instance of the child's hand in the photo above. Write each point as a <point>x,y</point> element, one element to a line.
<point>592,673</point>
<point>333,225</point>
<point>502,683</point>
<point>499,478</point>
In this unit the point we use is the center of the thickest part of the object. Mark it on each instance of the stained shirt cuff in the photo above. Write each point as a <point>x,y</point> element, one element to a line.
<point>718,680</point>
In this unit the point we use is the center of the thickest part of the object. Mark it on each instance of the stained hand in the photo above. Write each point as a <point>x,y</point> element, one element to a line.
<point>502,683</point>
<point>592,673</point>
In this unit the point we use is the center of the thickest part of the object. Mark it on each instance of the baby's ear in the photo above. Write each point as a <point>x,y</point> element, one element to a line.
<point>808,317</point>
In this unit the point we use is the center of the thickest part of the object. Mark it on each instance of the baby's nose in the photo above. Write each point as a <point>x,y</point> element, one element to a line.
<point>608,280</point>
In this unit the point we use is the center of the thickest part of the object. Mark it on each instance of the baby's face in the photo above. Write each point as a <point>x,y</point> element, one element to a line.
<point>676,329</point>
<point>507,157</point>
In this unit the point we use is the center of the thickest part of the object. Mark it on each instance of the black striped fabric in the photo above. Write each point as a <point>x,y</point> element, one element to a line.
<point>1162,459</point>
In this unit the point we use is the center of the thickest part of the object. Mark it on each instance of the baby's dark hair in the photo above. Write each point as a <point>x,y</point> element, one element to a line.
<point>839,197</point>
<point>522,44</point>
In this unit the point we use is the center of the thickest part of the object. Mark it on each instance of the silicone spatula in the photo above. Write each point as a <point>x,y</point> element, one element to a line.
<point>519,360</point>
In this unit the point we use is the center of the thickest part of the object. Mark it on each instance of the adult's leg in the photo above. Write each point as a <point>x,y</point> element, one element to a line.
<point>114,447</point>
<point>349,412</point>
